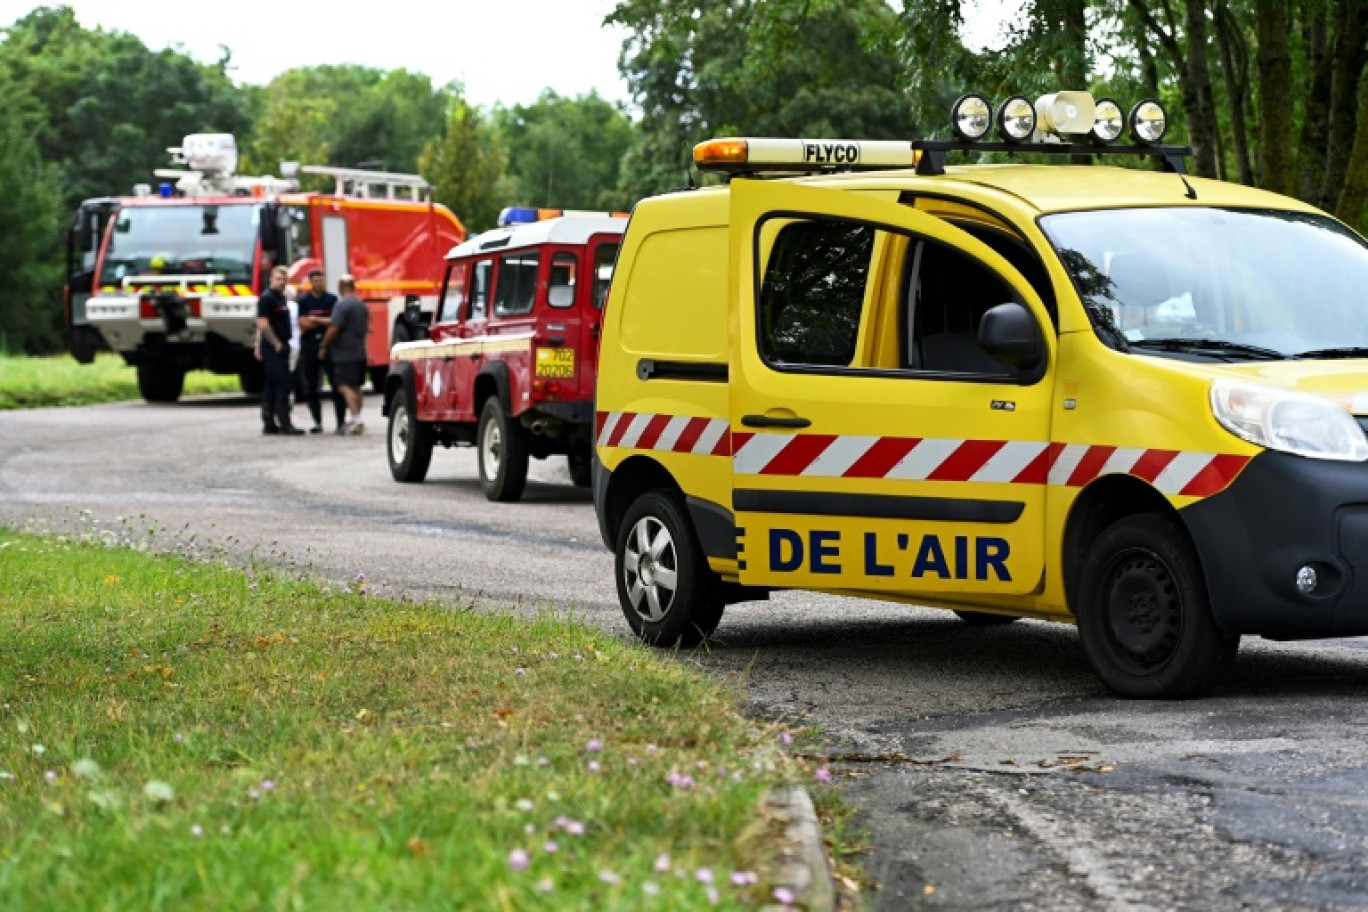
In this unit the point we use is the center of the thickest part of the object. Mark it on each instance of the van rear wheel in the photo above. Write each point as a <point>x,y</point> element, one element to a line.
<point>1144,618</point>
<point>667,590</point>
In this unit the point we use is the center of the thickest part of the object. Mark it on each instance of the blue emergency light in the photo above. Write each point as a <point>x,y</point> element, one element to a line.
<point>164,190</point>
<point>516,215</point>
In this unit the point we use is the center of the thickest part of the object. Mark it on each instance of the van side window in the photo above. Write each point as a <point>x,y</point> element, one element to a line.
<point>560,291</point>
<point>453,294</point>
<point>516,287</point>
<point>945,296</point>
<point>479,291</point>
<point>813,293</point>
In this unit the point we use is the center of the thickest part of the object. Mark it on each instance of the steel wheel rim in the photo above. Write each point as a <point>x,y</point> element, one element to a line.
<point>399,434</point>
<point>650,569</point>
<point>491,449</point>
<point>1143,611</point>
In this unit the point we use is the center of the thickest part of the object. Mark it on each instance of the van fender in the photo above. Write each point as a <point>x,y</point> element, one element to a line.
<point>400,377</point>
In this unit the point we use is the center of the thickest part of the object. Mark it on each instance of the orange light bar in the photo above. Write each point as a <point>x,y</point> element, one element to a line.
<point>722,153</point>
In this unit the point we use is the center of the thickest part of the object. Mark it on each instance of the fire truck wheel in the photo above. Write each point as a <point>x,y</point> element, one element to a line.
<point>668,593</point>
<point>581,465</point>
<point>501,445</point>
<point>160,381</point>
<point>985,618</point>
<point>409,442</point>
<point>1144,618</point>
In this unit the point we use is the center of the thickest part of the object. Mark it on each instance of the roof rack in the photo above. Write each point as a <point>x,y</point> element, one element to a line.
<point>933,152</point>
<point>363,184</point>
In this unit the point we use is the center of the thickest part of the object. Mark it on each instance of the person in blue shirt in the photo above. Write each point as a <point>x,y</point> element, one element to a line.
<point>315,312</point>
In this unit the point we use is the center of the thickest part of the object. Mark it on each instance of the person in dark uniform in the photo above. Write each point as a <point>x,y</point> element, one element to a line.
<point>315,311</point>
<point>273,348</point>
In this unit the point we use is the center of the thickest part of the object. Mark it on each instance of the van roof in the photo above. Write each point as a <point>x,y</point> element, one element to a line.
<point>567,230</point>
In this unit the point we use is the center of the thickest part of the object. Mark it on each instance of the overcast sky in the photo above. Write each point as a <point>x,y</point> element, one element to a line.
<point>502,50</point>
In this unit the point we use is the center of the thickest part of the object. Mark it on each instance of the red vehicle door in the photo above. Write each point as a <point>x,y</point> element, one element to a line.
<point>443,380</point>
<point>469,356</point>
<point>602,255</point>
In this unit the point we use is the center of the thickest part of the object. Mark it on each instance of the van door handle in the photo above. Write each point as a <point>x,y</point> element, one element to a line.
<point>764,421</point>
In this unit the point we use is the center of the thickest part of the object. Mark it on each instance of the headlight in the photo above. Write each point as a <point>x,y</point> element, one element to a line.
<point>1016,119</point>
<point>970,117</point>
<point>1148,121</point>
<point>1292,422</point>
<point>1108,121</point>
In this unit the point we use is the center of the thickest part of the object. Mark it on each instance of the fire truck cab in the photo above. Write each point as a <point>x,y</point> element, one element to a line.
<point>170,279</point>
<point>511,358</point>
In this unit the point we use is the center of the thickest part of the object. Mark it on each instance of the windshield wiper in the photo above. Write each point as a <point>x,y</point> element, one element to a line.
<point>1330,353</point>
<point>1210,346</point>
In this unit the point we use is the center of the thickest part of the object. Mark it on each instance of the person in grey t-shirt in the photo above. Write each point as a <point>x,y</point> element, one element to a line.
<point>346,341</point>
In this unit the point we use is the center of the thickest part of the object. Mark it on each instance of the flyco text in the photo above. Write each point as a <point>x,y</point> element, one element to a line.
<point>906,555</point>
<point>831,153</point>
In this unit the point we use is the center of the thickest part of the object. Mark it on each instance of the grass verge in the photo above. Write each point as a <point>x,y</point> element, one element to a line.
<point>59,380</point>
<point>176,735</point>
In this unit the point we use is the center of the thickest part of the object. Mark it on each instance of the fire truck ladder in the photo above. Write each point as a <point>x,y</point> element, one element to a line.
<point>363,184</point>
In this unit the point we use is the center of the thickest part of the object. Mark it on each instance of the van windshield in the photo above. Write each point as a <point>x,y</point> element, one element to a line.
<point>1218,283</point>
<point>182,240</point>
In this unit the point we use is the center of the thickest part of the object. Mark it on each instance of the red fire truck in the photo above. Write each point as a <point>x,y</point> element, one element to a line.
<point>169,280</point>
<point>512,356</point>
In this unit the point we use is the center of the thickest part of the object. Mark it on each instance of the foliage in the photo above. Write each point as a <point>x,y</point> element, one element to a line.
<point>59,380</point>
<point>465,166</point>
<point>30,213</point>
<point>565,153</point>
<point>346,115</point>
<point>186,735</point>
<point>771,68</point>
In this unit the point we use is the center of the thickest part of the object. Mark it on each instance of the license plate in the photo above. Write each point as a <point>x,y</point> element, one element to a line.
<point>555,362</point>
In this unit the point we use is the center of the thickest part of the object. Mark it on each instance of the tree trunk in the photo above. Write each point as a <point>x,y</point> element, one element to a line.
<point>1235,70</point>
<point>1197,86</point>
<point>1349,207</point>
<point>1272,21</point>
<point>1311,142</point>
<point>1348,65</point>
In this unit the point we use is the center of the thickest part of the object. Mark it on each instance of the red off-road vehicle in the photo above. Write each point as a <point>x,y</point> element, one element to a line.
<point>512,354</point>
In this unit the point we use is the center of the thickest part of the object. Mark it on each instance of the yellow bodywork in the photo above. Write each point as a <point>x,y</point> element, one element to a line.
<point>684,295</point>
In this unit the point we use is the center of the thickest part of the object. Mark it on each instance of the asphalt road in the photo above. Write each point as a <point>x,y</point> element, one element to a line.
<point>992,770</point>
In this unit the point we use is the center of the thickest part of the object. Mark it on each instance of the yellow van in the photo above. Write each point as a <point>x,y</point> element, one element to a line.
<point>1083,393</point>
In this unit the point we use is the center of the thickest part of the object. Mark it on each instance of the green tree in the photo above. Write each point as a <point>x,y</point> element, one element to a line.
<point>755,67</point>
<point>31,215</point>
<point>565,153</point>
<point>466,166</point>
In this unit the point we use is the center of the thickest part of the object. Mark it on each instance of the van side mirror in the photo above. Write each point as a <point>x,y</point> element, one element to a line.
<point>1008,332</point>
<point>87,230</point>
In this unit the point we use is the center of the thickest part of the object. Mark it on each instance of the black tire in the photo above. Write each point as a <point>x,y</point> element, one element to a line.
<point>657,538</point>
<point>581,461</point>
<point>408,441</point>
<point>1144,617</point>
<point>160,381</point>
<point>252,378</point>
<point>985,618</point>
<point>501,451</point>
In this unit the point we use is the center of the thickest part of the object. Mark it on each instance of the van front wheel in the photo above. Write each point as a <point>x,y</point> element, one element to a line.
<point>668,593</point>
<point>1144,618</point>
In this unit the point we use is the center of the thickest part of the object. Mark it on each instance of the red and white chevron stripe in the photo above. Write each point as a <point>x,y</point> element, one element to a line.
<point>920,459</point>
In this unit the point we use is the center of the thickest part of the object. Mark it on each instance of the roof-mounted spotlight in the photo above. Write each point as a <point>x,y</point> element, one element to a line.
<point>1016,119</point>
<point>1148,121</point>
<point>970,117</point>
<point>1108,121</point>
<point>1065,113</point>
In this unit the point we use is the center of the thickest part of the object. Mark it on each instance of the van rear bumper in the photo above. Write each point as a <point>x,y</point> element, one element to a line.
<point>1284,513</point>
